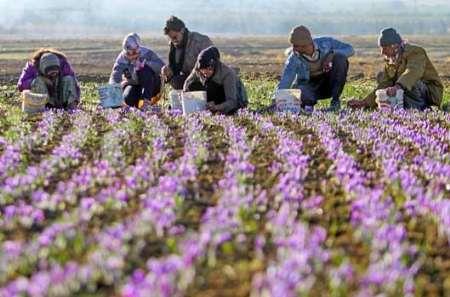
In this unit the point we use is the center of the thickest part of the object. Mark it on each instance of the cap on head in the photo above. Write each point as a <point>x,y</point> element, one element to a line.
<point>48,62</point>
<point>300,36</point>
<point>208,57</point>
<point>389,36</point>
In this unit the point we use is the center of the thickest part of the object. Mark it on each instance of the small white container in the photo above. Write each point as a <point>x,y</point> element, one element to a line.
<point>288,100</point>
<point>193,102</point>
<point>175,99</point>
<point>383,100</point>
<point>33,102</point>
<point>110,95</point>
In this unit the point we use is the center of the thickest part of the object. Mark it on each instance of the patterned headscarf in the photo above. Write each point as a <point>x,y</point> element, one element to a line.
<point>131,42</point>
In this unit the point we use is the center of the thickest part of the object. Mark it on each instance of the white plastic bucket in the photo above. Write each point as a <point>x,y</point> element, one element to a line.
<point>193,102</point>
<point>33,102</point>
<point>175,99</point>
<point>110,95</point>
<point>288,100</point>
<point>385,101</point>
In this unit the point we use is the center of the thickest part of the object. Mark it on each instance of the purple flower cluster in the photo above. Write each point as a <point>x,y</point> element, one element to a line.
<point>138,178</point>
<point>170,275</point>
<point>374,213</point>
<point>64,156</point>
<point>300,251</point>
<point>115,206</point>
<point>12,155</point>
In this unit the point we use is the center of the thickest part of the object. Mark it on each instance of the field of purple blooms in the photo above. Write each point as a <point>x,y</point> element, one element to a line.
<point>132,203</point>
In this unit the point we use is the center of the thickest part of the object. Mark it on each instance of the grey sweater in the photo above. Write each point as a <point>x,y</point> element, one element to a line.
<point>225,76</point>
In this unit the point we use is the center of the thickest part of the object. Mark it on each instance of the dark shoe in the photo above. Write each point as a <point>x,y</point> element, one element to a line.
<point>307,110</point>
<point>335,106</point>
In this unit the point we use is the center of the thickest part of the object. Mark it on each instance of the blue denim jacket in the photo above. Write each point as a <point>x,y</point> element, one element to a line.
<point>296,69</point>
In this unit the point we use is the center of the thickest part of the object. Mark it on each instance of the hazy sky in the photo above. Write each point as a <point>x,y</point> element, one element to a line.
<point>231,16</point>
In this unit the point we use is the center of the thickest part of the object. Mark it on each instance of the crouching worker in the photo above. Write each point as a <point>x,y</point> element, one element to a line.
<point>137,69</point>
<point>185,46</point>
<point>407,68</point>
<point>317,66</point>
<point>225,92</point>
<point>50,73</point>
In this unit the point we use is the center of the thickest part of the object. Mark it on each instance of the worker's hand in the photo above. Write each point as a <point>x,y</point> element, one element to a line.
<point>327,64</point>
<point>392,91</point>
<point>166,73</point>
<point>124,83</point>
<point>211,107</point>
<point>356,104</point>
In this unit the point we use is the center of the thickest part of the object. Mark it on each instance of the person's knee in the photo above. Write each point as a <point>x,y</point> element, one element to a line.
<point>149,80</point>
<point>340,62</point>
<point>339,58</point>
<point>308,97</point>
<point>146,74</point>
<point>70,96</point>
<point>70,80</point>
<point>130,96</point>
<point>39,86</point>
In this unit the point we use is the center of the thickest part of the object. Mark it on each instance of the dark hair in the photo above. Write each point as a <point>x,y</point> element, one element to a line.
<point>174,24</point>
<point>209,57</point>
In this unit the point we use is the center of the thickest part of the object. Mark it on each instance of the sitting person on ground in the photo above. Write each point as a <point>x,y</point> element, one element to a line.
<point>49,72</point>
<point>185,46</point>
<point>225,91</point>
<point>137,69</point>
<point>317,66</point>
<point>407,68</point>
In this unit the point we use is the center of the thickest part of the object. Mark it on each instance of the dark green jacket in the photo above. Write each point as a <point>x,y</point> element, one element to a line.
<point>414,65</point>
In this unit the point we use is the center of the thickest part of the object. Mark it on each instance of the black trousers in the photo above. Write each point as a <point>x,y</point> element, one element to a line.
<point>214,92</point>
<point>327,85</point>
<point>149,85</point>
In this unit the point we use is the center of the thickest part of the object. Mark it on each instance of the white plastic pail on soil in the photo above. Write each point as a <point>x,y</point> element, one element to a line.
<point>110,95</point>
<point>193,102</point>
<point>175,99</point>
<point>288,100</point>
<point>385,101</point>
<point>33,102</point>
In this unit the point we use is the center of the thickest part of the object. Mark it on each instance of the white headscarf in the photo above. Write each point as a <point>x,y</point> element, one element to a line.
<point>131,42</point>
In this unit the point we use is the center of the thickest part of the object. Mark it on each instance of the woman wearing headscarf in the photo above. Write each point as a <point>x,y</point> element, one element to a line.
<point>225,92</point>
<point>137,69</point>
<point>49,72</point>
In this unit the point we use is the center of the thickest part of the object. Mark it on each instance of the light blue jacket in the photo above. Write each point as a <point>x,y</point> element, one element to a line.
<point>296,69</point>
